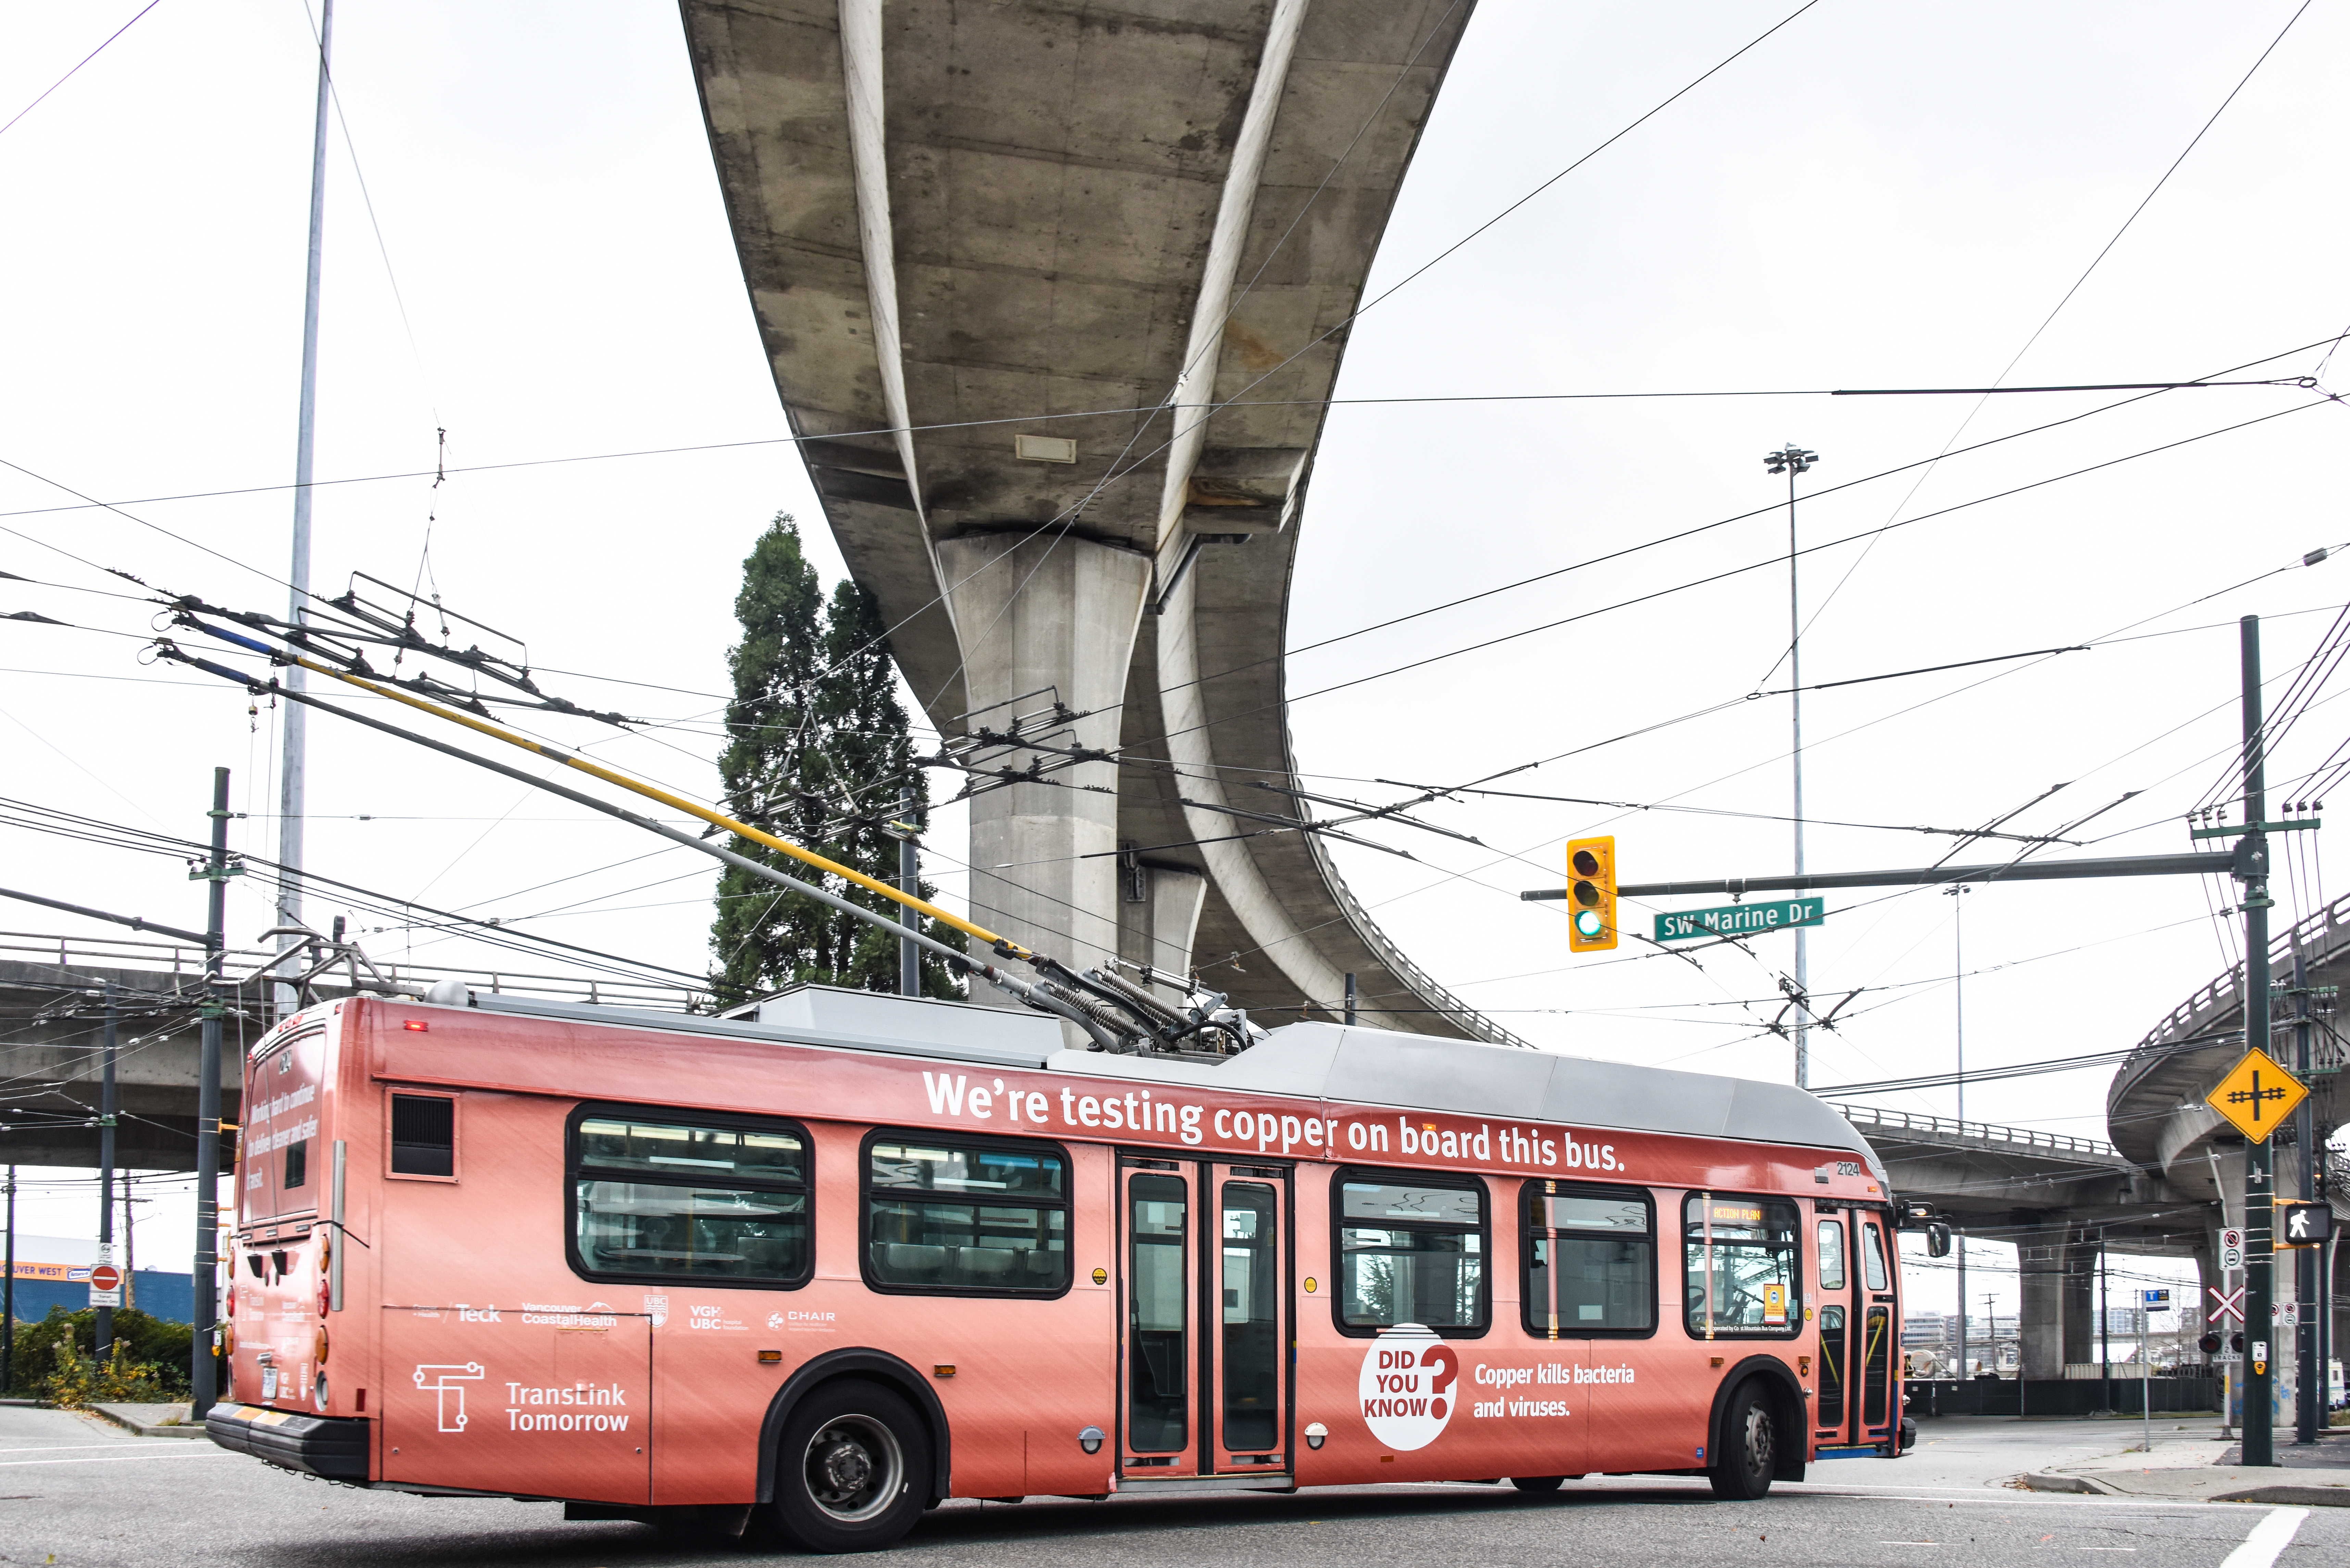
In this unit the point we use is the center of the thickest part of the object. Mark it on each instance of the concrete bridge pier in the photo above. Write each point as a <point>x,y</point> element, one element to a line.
<point>2040,1260</point>
<point>2079,1287</point>
<point>1041,619</point>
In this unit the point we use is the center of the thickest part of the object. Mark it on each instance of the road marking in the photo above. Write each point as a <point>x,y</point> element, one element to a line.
<point>1908,1544</point>
<point>133,1443</point>
<point>186,1451</point>
<point>2268,1540</point>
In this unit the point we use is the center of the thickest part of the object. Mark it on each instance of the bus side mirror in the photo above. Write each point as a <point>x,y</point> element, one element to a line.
<point>1937,1241</point>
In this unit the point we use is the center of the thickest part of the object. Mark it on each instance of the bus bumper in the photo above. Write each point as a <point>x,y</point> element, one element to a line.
<point>333,1446</point>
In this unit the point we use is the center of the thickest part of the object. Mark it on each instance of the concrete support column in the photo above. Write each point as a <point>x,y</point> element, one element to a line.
<point>1034,612</point>
<point>2040,1327</point>
<point>1159,910</point>
<point>2079,1292</point>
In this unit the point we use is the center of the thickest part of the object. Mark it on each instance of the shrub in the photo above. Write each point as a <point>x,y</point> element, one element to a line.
<point>58,1358</point>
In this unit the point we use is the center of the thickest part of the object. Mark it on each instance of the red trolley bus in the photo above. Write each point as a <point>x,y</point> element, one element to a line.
<point>831,1260</point>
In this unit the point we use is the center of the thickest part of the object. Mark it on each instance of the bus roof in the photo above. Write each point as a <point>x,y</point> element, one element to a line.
<point>1323,1061</point>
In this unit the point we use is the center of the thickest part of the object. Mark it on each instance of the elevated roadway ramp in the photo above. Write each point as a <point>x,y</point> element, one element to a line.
<point>1008,262</point>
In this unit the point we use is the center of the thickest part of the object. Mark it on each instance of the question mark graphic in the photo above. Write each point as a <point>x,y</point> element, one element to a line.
<point>1440,1383</point>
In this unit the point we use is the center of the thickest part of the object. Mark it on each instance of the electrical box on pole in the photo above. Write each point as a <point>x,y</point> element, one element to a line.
<point>1591,894</point>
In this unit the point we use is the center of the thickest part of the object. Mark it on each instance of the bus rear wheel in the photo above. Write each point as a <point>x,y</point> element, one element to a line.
<point>852,1471</point>
<point>1537,1485</point>
<point>1748,1456</point>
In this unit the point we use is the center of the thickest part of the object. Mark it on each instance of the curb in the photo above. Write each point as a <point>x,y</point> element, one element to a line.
<point>185,1429</point>
<point>2291,1496</point>
<point>2049,1480</point>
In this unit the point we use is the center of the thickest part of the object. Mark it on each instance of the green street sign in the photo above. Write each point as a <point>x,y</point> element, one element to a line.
<point>1741,919</point>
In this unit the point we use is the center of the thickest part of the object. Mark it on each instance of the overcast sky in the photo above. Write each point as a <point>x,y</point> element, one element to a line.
<point>1879,196</point>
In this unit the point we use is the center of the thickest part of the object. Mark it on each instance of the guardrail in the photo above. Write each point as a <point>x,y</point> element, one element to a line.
<point>1980,1132</point>
<point>187,962</point>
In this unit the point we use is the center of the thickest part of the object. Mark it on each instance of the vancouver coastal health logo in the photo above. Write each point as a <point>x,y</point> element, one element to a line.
<point>1406,1386</point>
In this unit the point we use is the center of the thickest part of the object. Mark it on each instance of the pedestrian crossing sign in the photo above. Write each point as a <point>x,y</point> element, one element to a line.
<point>2257,1096</point>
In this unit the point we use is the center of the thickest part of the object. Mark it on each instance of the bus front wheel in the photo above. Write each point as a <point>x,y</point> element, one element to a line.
<point>853,1470</point>
<point>1747,1454</point>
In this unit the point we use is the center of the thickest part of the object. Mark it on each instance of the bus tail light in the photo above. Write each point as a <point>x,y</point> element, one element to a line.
<point>322,1344</point>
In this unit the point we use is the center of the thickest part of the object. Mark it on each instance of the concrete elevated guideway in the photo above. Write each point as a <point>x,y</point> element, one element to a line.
<point>970,227</point>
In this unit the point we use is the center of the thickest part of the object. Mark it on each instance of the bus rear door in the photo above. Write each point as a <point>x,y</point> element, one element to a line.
<point>1203,1385</point>
<point>1857,1330</point>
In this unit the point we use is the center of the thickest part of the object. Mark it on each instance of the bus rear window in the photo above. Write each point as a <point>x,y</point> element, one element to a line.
<point>1410,1251</point>
<point>965,1219</point>
<point>661,1199</point>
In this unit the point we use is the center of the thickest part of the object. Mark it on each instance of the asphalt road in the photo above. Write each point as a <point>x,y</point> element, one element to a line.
<point>76,1492</point>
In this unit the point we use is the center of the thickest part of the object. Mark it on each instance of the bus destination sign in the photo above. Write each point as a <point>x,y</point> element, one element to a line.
<point>1741,919</point>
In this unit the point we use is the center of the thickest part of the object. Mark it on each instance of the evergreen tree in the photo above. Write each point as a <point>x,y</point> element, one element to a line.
<point>819,750</point>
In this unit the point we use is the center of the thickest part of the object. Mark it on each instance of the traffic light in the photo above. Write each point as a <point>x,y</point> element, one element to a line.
<point>1591,894</point>
<point>2209,1345</point>
<point>2304,1224</point>
<point>2236,1343</point>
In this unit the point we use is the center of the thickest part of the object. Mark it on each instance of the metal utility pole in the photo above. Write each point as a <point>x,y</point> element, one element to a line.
<point>909,882</point>
<point>105,1333</point>
<point>293,763</point>
<point>1350,999</point>
<point>203,1368</point>
<point>2106,1319</point>
<point>2259,1195</point>
<point>1792,460</point>
<point>2310,1399</point>
<point>8,1298</point>
<point>1959,968</point>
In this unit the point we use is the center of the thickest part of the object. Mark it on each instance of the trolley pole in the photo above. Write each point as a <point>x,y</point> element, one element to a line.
<point>106,1110</point>
<point>2260,1333</point>
<point>204,1364</point>
<point>909,881</point>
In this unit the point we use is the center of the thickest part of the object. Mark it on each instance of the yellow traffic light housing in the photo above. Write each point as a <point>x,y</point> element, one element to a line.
<point>1591,894</point>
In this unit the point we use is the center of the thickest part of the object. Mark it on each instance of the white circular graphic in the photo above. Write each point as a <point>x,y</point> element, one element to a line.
<point>1406,1386</point>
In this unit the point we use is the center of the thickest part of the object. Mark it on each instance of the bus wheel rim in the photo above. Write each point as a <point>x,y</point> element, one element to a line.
<point>1759,1439</point>
<point>853,1468</point>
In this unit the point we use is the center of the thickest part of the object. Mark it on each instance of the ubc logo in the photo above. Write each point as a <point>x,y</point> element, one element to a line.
<point>1406,1386</point>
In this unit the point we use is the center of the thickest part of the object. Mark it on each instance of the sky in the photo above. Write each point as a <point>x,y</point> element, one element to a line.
<point>526,250</point>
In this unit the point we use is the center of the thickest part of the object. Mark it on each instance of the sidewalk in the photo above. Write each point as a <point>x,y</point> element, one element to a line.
<point>2191,1463</point>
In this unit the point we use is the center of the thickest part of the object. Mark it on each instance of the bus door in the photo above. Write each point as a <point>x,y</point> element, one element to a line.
<point>1856,1329</point>
<point>1204,1384</point>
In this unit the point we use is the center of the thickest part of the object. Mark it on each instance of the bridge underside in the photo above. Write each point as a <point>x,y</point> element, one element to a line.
<point>1054,298</point>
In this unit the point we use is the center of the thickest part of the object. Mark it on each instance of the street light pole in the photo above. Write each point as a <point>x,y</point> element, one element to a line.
<point>1792,461</point>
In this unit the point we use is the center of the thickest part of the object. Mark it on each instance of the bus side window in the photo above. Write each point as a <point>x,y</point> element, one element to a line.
<point>722,1198</point>
<point>1597,1247</point>
<point>1740,1274</point>
<point>1872,1259</point>
<point>1410,1250</point>
<point>1831,1254</point>
<point>297,1164</point>
<point>968,1217</point>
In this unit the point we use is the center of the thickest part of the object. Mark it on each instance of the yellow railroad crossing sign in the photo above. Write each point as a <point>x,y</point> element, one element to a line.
<point>2257,1096</point>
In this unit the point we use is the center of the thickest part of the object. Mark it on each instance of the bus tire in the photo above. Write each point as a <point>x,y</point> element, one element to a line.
<point>853,1468</point>
<point>1537,1485</point>
<point>1746,1457</point>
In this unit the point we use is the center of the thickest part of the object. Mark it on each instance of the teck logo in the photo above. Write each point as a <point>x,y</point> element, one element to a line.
<point>1406,1386</point>
<point>447,1384</point>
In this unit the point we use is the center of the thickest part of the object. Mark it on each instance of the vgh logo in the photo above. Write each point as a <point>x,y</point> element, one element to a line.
<point>1406,1386</point>
<point>447,1384</point>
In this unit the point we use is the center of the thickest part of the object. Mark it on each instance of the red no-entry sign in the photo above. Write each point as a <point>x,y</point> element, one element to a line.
<point>106,1277</point>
